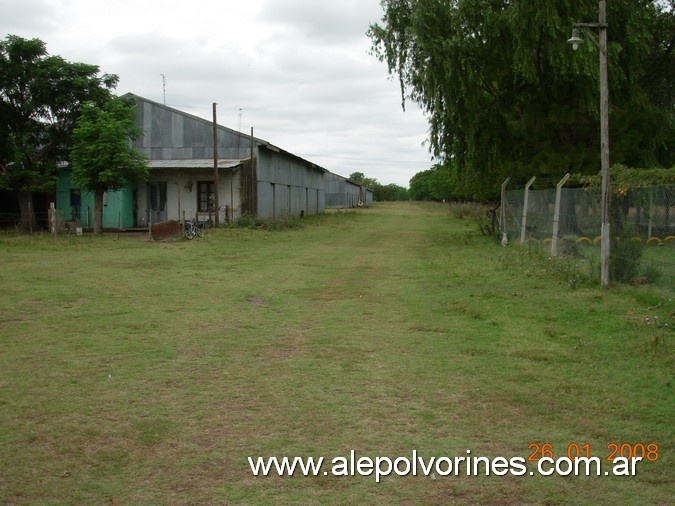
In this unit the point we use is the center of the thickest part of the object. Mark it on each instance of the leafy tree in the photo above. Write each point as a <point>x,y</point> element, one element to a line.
<point>40,100</point>
<point>624,179</point>
<point>419,185</point>
<point>389,193</point>
<point>381,193</point>
<point>357,176</point>
<point>360,178</point>
<point>505,96</point>
<point>432,184</point>
<point>102,156</point>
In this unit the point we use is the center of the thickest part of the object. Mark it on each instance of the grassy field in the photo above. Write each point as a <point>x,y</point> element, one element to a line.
<point>146,373</point>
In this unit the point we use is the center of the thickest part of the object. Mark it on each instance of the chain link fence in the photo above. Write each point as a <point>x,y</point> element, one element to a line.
<point>645,216</point>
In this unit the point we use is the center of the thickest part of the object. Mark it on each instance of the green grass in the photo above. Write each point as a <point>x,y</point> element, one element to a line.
<point>146,373</point>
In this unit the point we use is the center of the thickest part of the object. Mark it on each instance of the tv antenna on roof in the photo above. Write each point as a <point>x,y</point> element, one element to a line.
<point>239,132</point>
<point>164,87</point>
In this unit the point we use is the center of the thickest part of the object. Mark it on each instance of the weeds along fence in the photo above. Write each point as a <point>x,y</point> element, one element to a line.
<point>568,220</point>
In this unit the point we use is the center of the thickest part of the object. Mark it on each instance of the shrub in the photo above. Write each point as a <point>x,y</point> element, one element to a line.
<point>625,256</point>
<point>570,246</point>
<point>248,221</point>
<point>470,210</point>
<point>285,222</point>
<point>652,273</point>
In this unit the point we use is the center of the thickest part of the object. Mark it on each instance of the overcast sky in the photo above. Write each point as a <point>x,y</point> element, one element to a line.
<point>300,70</point>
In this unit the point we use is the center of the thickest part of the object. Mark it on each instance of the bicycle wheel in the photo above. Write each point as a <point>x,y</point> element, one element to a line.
<point>189,230</point>
<point>199,231</point>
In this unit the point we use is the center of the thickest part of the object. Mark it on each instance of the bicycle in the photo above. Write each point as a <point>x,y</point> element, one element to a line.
<point>192,228</point>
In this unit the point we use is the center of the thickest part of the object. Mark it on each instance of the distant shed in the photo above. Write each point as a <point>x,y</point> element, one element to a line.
<point>342,192</point>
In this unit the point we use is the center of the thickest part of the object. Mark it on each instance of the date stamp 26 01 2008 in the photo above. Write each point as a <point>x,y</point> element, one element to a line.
<point>648,451</point>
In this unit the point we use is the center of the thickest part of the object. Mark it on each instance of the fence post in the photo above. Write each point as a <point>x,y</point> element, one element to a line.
<point>52,218</point>
<point>651,212</point>
<point>526,198</point>
<point>556,214</point>
<point>502,212</point>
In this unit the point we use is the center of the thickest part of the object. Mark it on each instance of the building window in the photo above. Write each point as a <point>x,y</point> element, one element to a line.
<point>205,195</point>
<point>75,204</point>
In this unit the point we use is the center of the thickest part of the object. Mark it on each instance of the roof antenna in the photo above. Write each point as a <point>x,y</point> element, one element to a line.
<point>164,87</point>
<point>239,132</point>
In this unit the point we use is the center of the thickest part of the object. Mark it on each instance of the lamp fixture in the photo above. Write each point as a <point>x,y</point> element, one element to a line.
<point>575,40</point>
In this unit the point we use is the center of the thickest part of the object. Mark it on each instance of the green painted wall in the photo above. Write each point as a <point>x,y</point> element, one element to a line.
<point>118,209</point>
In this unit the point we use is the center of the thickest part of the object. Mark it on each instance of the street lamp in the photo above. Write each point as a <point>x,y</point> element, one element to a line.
<point>601,42</point>
<point>575,40</point>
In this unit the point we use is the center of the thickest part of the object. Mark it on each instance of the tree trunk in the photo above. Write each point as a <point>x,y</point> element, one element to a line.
<point>28,223</point>
<point>98,211</point>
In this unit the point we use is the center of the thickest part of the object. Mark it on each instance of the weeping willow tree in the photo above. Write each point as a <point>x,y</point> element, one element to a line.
<point>506,96</point>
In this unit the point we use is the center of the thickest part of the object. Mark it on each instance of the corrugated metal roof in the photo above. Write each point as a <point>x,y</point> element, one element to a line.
<point>193,164</point>
<point>277,149</point>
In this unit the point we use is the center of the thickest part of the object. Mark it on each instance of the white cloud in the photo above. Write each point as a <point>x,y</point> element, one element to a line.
<point>337,22</point>
<point>26,17</point>
<point>299,70</point>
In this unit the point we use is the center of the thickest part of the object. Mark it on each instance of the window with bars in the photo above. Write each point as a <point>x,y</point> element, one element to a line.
<point>205,195</point>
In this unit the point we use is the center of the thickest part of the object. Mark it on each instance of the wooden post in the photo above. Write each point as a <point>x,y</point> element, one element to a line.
<point>52,218</point>
<point>604,146</point>
<point>556,214</point>
<point>254,182</point>
<point>215,165</point>
<point>178,190</point>
<point>601,42</point>
<point>526,198</point>
<point>651,212</point>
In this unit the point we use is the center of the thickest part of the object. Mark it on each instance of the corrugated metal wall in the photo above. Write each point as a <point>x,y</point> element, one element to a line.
<point>174,135</point>
<point>342,193</point>
<point>288,185</point>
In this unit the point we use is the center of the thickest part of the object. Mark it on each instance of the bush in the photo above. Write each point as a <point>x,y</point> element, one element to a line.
<point>652,273</point>
<point>570,246</point>
<point>248,221</point>
<point>625,256</point>
<point>285,222</point>
<point>470,210</point>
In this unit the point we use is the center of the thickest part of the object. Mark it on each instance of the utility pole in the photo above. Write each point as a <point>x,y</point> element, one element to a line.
<point>601,42</point>
<point>604,146</point>
<point>215,165</point>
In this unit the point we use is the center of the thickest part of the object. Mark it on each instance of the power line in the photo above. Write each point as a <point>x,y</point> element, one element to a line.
<point>308,155</point>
